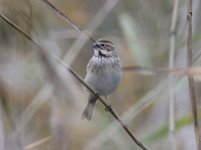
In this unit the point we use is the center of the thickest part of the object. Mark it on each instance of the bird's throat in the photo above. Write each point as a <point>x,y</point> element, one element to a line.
<point>101,54</point>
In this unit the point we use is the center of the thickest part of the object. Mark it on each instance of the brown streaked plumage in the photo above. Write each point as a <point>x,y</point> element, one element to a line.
<point>106,44</point>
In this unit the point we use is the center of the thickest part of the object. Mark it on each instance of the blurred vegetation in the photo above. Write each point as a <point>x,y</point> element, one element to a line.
<point>31,103</point>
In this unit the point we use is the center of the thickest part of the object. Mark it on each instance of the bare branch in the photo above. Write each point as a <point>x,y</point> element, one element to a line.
<point>172,52</point>
<point>38,143</point>
<point>190,79</point>
<point>190,71</point>
<point>67,19</point>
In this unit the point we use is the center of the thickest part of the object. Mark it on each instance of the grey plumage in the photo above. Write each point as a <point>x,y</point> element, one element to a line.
<point>104,73</point>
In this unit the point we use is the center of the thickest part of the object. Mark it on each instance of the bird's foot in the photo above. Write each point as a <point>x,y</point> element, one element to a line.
<point>97,95</point>
<point>108,108</point>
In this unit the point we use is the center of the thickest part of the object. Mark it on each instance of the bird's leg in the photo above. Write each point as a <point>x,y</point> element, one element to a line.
<point>97,95</point>
<point>108,108</point>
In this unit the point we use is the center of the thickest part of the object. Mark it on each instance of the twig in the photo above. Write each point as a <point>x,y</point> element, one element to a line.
<point>111,110</point>
<point>67,19</point>
<point>95,22</point>
<point>190,71</point>
<point>190,79</point>
<point>172,52</point>
<point>38,143</point>
<point>171,65</point>
<point>154,70</point>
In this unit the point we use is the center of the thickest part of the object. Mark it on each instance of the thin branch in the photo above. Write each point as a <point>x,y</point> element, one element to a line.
<point>190,79</point>
<point>95,22</point>
<point>172,53</point>
<point>111,110</point>
<point>153,70</point>
<point>172,65</point>
<point>191,71</point>
<point>67,19</point>
<point>174,17</point>
<point>38,143</point>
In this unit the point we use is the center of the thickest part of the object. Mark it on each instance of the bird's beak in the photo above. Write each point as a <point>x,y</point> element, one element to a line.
<point>95,45</point>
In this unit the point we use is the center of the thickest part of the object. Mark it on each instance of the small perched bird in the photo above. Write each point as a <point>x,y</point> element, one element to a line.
<point>104,72</point>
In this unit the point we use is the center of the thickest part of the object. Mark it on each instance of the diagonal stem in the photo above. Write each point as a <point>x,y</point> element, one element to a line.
<point>67,19</point>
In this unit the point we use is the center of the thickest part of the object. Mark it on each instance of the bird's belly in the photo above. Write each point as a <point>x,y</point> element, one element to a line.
<point>104,82</point>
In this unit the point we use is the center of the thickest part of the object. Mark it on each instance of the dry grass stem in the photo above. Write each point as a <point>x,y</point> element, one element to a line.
<point>190,79</point>
<point>92,26</point>
<point>191,71</point>
<point>172,52</point>
<point>38,143</point>
<point>67,19</point>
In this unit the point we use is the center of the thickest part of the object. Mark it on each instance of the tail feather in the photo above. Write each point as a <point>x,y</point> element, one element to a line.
<point>87,113</point>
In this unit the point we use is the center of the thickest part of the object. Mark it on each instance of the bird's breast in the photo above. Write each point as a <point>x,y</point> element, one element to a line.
<point>104,75</point>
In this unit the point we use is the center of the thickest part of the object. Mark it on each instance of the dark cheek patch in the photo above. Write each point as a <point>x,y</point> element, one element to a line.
<point>101,54</point>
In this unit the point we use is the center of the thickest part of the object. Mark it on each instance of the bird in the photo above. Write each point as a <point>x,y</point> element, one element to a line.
<point>104,73</point>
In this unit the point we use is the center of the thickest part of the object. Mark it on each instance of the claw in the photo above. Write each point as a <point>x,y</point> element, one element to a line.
<point>97,95</point>
<point>108,108</point>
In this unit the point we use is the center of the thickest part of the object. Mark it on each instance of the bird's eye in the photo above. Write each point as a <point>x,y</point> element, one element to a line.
<point>102,44</point>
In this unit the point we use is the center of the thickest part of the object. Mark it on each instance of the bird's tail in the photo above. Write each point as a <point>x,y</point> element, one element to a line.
<point>87,113</point>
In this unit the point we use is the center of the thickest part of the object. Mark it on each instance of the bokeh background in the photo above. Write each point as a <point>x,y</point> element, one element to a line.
<point>41,103</point>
